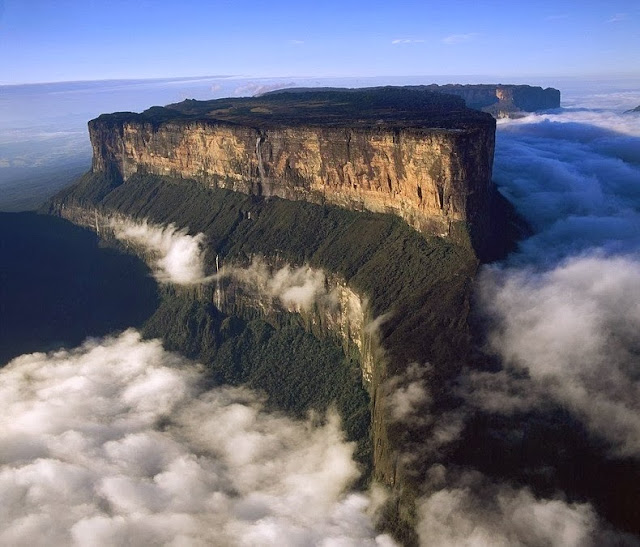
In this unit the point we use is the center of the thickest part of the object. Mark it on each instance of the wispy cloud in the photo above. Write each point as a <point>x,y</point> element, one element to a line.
<point>398,41</point>
<point>175,256</point>
<point>617,18</point>
<point>459,38</point>
<point>296,42</point>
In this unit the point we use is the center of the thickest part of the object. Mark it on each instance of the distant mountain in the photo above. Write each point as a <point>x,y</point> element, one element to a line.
<point>499,100</point>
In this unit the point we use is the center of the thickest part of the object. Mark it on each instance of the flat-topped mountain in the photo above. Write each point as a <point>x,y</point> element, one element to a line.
<point>398,316</point>
<point>503,101</point>
<point>379,107</point>
<point>421,155</point>
<point>499,100</point>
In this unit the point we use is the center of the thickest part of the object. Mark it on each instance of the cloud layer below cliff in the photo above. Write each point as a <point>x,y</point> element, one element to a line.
<point>563,316</point>
<point>574,330</point>
<point>115,442</point>
<point>565,309</point>
<point>477,512</point>
<point>574,176</point>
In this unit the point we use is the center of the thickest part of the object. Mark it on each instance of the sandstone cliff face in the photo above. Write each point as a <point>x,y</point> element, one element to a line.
<point>432,178</point>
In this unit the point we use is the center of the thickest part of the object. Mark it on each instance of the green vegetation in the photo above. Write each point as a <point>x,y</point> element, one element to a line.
<point>424,282</point>
<point>401,107</point>
<point>297,371</point>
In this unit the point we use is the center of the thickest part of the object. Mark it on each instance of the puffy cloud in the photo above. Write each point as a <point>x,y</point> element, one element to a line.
<point>475,512</point>
<point>176,256</point>
<point>574,331</point>
<point>408,394</point>
<point>115,442</point>
<point>427,432</point>
<point>574,177</point>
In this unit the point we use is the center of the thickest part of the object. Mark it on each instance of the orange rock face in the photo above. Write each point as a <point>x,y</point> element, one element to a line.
<point>432,178</point>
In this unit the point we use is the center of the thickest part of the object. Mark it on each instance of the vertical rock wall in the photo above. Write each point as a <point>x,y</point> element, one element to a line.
<point>435,179</point>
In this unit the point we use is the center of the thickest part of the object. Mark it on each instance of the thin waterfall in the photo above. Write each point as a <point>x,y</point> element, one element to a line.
<point>261,171</point>
<point>218,291</point>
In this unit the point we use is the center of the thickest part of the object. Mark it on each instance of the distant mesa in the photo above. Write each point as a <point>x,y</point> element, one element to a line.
<point>504,101</point>
<point>501,101</point>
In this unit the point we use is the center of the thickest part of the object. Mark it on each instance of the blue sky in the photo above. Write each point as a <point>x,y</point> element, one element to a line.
<point>62,40</point>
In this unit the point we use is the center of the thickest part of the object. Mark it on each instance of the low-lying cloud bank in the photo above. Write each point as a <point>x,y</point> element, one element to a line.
<point>115,442</point>
<point>464,507</point>
<point>575,331</point>
<point>475,512</point>
<point>574,176</point>
<point>566,309</point>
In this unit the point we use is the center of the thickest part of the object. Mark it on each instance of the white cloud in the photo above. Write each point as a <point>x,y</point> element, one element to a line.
<point>564,313</point>
<point>459,38</point>
<point>475,512</point>
<point>407,41</point>
<point>409,401</point>
<point>574,330</point>
<point>115,442</point>
<point>176,256</point>
<point>296,42</point>
<point>573,175</point>
<point>408,395</point>
<point>296,288</point>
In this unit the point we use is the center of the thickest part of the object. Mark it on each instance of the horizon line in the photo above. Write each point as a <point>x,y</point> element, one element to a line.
<point>324,77</point>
